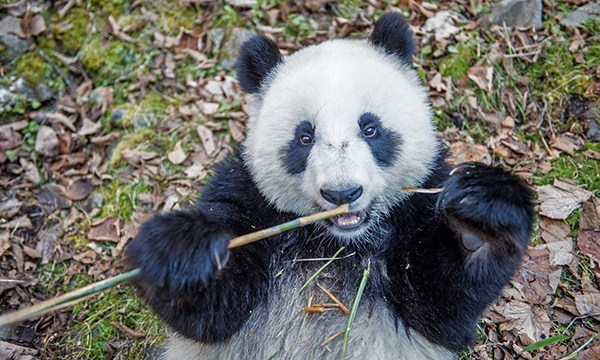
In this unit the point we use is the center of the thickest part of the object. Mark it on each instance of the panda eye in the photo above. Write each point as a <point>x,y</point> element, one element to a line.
<point>369,131</point>
<point>306,140</point>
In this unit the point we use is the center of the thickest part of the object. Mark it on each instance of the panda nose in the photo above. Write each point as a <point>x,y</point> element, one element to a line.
<point>340,197</point>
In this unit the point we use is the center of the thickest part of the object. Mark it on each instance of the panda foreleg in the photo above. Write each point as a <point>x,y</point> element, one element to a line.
<point>491,213</point>
<point>192,281</point>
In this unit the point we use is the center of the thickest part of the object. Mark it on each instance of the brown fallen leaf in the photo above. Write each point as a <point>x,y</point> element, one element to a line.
<point>52,197</point>
<point>177,156</point>
<point>590,217</point>
<point>208,140</point>
<point>588,242</point>
<point>20,222</point>
<point>561,252</point>
<point>46,142</point>
<point>48,242</point>
<point>558,201</point>
<point>461,152</point>
<point>79,190</point>
<point>9,138</point>
<point>9,207</point>
<point>482,76</point>
<point>4,241</point>
<point>588,305</point>
<point>553,230</point>
<point>532,276</point>
<point>591,154</point>
<point>12,351</point>
<point>108,229</point>
<point>530,320</point>
<point>565,142</point>
<point>437,83</point>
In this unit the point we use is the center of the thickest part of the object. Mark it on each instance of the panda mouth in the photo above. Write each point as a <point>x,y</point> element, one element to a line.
<point>349,220</point>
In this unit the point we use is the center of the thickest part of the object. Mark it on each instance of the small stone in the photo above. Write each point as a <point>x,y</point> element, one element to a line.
<point>44,93</point>
<point>593,132</point>
<point>517,13</point>
<point>582,15</point>
<point>46,142</point>
<point>13,45</point>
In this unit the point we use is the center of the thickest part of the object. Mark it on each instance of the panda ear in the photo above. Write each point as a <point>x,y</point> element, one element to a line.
<point>258,57</point>
<point>392,33</point>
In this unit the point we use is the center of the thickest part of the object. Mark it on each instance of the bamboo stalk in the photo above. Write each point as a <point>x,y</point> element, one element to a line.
<point>294,224</point>
<point>65,300</point>
<point>359,294</point>
<point>85,292</point>
<point>422,191</point>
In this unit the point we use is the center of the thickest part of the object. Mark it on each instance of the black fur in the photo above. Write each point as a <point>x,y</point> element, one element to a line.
<point>392,33</point>
<point>385,144</point>
<point>296,154</point>
<point>257,59</point>
<point>438,263</point>
<point>177,253</point>
<point>433,283</point>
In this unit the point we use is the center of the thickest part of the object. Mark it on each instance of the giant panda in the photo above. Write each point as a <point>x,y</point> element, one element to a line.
<point>343,121</point>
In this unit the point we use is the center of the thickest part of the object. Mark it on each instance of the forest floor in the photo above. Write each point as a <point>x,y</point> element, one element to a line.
<point>112,110</point>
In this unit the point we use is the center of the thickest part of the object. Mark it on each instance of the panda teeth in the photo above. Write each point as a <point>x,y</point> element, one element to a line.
<point>347,220</point>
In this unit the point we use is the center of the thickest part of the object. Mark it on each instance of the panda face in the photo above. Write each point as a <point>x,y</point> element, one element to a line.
<point>340,122</point>
<point>345,121</point>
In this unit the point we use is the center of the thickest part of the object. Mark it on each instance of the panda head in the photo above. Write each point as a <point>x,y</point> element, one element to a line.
<point>344,121</point>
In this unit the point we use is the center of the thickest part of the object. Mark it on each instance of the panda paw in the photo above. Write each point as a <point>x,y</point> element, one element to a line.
<point>487,204</point>
<point>178,253</point>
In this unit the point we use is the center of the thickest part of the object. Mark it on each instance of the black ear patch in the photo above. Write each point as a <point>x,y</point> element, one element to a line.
<point>392,33</point>
<point>258,56</point>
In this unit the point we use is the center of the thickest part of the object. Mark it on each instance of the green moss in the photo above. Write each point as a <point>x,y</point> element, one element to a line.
<point>456,65</point>
<point>33,68</point>
<point>94,332</point>
<point>104,57</point>
<point>578,168</point>
<point>71,31</point>
<point>122,199</point>
<point>110,7</point>
<point>300,27</point>
<point>51,278</point>
<point>556,75</point>
<point>173,18</point>
<point>150,110</point>
<point>228,17</point>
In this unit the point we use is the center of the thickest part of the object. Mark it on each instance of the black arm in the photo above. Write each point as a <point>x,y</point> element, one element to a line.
<point>197,286</point>
<point>455,264</point>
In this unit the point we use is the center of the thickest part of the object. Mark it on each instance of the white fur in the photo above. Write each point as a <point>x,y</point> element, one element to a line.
<point>281,329</point>
<point>331,85</point>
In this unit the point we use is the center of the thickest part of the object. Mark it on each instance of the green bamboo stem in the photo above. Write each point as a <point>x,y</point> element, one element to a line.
<point>354,310</point>
<point>85,292</point>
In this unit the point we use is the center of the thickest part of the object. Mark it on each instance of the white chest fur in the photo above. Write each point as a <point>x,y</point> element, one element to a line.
<point>282,329</point>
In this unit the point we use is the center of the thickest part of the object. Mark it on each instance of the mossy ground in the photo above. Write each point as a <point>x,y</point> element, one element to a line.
<point>109,61</point>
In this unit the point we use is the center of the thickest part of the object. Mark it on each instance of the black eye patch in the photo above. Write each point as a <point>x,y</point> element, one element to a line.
<point>384,143</point>
<point>295,154</point>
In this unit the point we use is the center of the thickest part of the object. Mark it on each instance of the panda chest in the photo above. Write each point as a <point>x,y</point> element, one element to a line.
<point>305,317</point>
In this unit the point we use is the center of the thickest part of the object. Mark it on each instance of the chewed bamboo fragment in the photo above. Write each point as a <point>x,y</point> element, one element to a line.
<point>85,292</point>
<point>329,339</point>
<point>343,308</point>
